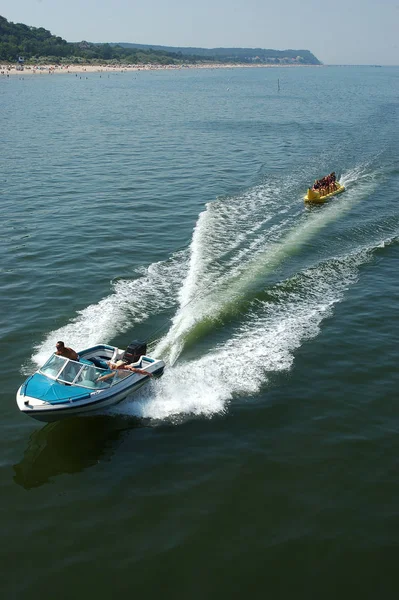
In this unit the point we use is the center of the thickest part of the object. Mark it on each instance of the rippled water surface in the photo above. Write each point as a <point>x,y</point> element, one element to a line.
<point>168,206</point>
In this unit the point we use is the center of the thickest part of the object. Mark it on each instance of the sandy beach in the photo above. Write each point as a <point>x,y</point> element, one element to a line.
<point>51,69</point>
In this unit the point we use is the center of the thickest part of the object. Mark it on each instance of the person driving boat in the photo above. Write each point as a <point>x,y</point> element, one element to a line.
<point>66,352</point>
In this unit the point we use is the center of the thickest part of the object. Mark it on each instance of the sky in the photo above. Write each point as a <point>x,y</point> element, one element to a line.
<point>348,32</point>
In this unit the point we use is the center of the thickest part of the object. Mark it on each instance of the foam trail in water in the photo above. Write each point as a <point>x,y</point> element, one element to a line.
<point>226,234</point>
<point>209,291</point>
<point>134,301</point>
<point>265,342</point>
<point>361,175</point>
<point>131,302</point>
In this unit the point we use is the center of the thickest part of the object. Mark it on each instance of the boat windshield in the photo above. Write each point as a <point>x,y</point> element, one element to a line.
<point>76,373</point>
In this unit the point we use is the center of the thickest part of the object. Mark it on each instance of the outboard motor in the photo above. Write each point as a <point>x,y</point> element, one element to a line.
<point>134,351</point>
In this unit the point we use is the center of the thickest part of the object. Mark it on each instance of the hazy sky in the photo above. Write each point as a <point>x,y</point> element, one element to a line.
<point>337,32</point>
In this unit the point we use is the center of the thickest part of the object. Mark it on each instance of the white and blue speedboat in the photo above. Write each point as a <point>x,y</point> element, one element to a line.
<point>64,388</point>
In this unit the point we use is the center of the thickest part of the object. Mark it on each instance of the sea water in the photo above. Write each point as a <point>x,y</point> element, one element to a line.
<point>168,206</point>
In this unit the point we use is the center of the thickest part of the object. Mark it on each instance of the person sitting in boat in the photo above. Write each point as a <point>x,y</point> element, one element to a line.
<point>326,185</point>
<point>66,352</point>
<point>316,185</point>
<point>319,186</point>
<point>120,365</point>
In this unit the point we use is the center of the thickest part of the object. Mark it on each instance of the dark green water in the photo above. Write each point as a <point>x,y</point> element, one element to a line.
<point>168,206</point>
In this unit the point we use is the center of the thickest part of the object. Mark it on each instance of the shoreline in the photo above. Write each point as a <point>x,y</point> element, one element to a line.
<point>51,69</point>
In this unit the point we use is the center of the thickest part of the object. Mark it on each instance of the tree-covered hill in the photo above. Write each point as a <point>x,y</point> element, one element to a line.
<point>38,44</point>
<point>244,55</point>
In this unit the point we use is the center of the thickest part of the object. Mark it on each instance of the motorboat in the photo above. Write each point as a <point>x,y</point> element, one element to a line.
<point>318,197</point>
<point>63,388</point>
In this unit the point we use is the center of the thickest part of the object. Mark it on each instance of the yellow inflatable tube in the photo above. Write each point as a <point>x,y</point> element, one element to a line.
<point>314,196</point>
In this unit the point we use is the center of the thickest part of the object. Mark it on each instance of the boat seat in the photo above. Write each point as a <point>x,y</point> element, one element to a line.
<point>117,355</point>
<point>137,364</point>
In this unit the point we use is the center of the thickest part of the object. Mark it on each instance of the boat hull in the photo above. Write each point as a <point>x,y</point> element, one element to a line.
<point>87,402</point>
<point>96,403</point>
<point>314,197</point>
